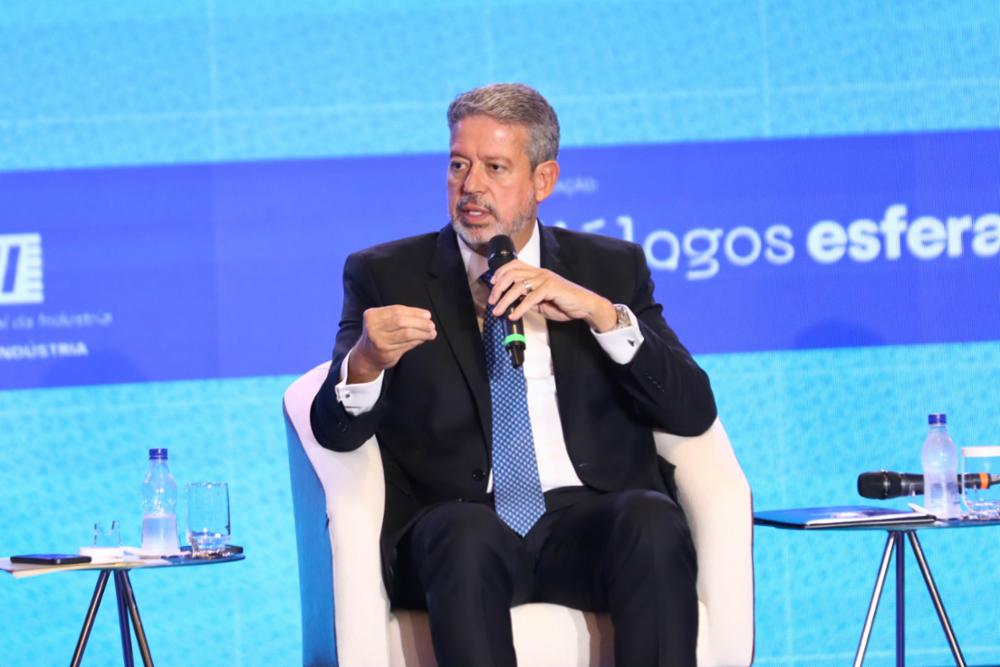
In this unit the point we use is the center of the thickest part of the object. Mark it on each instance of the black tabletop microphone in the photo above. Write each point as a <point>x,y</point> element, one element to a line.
<point>883,485</point>
<point>499,251</point>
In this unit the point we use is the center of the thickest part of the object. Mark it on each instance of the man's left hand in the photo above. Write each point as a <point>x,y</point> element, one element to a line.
<point>551,295</point>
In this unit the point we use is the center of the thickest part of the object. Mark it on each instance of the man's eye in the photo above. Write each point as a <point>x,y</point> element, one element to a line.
<point>497,168</point>
<point>456,166</point>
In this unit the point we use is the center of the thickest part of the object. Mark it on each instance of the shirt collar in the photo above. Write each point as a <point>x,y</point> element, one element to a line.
<point>476,265</point>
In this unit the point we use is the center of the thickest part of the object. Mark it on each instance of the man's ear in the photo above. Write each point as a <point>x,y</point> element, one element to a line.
<point>545,177</point>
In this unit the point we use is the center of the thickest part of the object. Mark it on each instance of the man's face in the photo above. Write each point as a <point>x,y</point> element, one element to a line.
<point>491,186</point>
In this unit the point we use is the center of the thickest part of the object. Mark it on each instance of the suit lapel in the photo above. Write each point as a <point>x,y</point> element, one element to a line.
<point>449,292</point>
<point>563,340</point>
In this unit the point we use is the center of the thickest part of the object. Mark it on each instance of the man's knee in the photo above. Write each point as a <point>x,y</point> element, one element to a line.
<point>652,517</point>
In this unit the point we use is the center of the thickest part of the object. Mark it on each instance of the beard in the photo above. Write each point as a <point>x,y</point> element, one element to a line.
<point>478,236</point>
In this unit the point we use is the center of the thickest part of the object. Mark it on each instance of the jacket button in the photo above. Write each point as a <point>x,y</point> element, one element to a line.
<point>478,475</point>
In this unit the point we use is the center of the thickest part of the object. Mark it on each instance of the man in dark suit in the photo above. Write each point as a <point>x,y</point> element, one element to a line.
<point>602,369</point>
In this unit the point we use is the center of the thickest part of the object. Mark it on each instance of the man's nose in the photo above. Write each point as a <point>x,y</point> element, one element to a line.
<point>473,180</point>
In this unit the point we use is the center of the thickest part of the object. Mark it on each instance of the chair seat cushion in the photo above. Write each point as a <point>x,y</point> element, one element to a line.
<point>544,634</point>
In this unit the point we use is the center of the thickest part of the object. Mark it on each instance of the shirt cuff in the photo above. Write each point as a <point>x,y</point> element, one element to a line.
<point>359,398</point>
<point>621,344</point>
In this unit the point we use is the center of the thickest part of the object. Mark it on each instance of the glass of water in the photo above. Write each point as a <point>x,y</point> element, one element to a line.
<point>110,537</point>
<point>981,494</point>
<point>207,518</point>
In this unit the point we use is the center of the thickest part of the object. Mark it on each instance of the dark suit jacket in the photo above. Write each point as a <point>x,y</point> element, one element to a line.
<point>433,417</point>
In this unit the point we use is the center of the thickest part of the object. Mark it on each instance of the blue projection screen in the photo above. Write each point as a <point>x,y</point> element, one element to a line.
<point>158,273</point>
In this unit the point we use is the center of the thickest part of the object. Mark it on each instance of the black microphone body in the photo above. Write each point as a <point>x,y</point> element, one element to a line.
<point>883,485</point>
<point>500,251</point>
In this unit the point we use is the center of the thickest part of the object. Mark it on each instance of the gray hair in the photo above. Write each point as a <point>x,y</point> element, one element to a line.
<point>513,104</point>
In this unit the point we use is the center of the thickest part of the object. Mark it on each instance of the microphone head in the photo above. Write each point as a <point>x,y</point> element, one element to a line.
<point>499,251</point>
<point>880,485</point>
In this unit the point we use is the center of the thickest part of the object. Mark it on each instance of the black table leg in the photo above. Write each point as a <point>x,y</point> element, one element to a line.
<point>123,620</point>
<point>88,621</point>
<point>866,631</point>
<point>949,633</point>
<point>140,633</point>
<point>900,599</point>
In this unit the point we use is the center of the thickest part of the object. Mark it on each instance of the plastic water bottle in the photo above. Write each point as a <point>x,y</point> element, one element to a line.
<point>940,463</point>
<point>159,507</point>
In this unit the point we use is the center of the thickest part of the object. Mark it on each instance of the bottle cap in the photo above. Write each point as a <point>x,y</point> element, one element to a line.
<point>937,419</point>
<point>158,453</point>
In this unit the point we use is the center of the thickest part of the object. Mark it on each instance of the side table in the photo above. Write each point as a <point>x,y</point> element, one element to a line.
<point>128,610</point>
<point>897,536</point>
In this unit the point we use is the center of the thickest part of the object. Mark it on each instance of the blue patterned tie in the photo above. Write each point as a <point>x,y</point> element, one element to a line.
<point>517,490</point>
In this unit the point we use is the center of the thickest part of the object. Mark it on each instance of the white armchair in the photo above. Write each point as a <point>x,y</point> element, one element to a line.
<point>346,617</point>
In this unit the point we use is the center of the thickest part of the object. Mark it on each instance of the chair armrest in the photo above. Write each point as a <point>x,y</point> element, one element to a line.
<point>716,498</point>
<point>354,491</point>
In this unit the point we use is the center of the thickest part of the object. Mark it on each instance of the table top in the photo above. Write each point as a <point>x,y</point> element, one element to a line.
<point>231,554</point>
<point>860,517</point>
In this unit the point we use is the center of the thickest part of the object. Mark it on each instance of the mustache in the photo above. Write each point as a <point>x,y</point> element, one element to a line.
<point>473,200</point>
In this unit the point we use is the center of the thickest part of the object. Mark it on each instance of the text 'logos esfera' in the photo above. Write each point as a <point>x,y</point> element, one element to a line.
<point>701,252</point>
<point>20,269</point>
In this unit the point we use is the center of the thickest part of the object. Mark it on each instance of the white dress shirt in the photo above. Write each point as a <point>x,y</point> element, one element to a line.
<point>554,466</point>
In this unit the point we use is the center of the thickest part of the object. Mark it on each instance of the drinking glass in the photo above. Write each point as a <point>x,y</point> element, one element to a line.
<point>110,537</point>
<point>207,518</point>
<point>981,495</point>
<point>107,545</point>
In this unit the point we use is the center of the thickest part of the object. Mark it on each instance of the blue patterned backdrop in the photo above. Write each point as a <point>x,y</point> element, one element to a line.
<point>99,100</point>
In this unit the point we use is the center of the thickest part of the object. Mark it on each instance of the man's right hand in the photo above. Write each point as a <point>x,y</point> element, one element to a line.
<point>387,334</point>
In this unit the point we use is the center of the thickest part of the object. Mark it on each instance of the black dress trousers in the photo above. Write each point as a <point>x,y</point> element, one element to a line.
<point>628,553</point>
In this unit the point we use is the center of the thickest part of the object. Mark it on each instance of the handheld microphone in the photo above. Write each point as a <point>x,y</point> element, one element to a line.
<point>883,485</point>
<point>500,251</point>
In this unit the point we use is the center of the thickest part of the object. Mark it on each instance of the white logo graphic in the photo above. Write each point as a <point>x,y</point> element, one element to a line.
<point>20,269</point>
